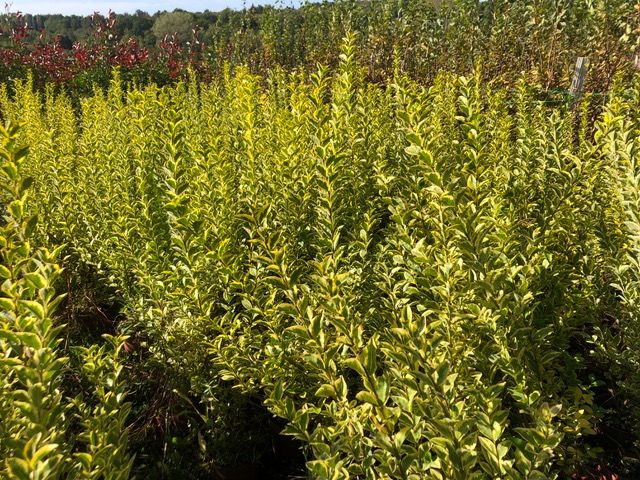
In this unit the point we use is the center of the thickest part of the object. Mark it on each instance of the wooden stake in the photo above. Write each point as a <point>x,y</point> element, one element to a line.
<point>579,75</point>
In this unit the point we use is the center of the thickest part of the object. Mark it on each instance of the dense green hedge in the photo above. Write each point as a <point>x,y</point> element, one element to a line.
<point>419,281</point>
<point>44,431</point>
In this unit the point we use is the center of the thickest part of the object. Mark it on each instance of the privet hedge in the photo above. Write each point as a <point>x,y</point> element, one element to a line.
<point>422,282</point>
<point>43,432</point>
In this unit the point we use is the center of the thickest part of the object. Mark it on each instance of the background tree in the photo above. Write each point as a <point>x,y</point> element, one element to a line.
<point>176,23</point>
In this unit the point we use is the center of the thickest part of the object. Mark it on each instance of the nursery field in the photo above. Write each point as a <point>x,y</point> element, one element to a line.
<point>306,274</point>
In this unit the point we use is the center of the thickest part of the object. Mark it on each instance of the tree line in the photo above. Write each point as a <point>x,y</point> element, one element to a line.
<point>418,38</point>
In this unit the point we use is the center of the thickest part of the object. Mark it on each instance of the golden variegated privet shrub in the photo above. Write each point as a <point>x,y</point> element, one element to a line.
<point>618,136</point>
<point>412,277</point>
<point>38,434</point>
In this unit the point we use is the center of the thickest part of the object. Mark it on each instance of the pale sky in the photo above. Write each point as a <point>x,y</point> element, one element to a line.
<point>77,7</point>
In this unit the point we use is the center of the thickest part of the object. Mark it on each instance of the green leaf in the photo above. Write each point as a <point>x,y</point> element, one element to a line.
<point>370,353</point>
<point>36,280</point>
<point>7,304</point>
<point>29,339</point>
<point>11,171</point>
<point>299,331</point>
<point>25,184</point>
<point>85,459</point>
<point>367,397</point>
<point>43,452</point>
<point>34,307</point>
<point>19,468</point>
<point>30,225</point>
<point>9,336</point>
<point>382,389</point>
<point>355,364</point>
<point>442,373</point>
<point>4,272</point>
<point>326,390</point>
<point>16,208</point>
<point>413,150</point>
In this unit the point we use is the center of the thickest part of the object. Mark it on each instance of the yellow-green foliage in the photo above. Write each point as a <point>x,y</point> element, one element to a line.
<point>36,418</point>
<point>32,408</point>
<point>405,274</point>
